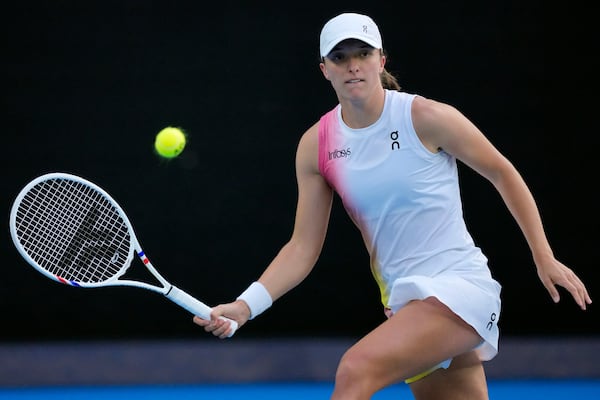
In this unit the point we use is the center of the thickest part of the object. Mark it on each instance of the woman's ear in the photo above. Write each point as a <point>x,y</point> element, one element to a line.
<point>382,63</point>
<point>324,70</point>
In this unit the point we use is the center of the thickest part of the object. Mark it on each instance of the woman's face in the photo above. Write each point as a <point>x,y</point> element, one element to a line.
<point>353,68</point>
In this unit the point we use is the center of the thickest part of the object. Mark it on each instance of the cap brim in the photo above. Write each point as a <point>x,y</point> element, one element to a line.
<point>327,49</point>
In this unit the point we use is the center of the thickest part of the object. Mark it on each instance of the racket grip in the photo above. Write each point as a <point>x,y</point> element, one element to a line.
<point>195,306</point>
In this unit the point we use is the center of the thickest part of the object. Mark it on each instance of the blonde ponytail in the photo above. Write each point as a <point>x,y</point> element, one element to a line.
<point>389,81</point>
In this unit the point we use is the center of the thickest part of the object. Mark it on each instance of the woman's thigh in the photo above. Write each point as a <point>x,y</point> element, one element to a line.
<point>417,337</point>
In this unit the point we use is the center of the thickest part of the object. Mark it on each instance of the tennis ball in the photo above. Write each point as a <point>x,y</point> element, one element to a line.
<point>170,142</point>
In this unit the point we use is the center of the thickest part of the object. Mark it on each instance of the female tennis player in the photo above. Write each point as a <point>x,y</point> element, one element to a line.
<point>391,157</point>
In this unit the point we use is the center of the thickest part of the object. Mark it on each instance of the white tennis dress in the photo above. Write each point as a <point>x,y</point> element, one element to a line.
<point>406,202</point>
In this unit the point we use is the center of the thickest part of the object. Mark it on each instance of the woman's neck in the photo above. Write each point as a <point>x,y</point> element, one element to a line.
<point>363,112</point>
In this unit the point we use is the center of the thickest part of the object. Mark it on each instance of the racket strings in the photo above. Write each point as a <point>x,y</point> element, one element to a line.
<point>73,231</point>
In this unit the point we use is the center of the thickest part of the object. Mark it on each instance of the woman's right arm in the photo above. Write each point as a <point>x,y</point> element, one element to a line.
<point>298,256</point>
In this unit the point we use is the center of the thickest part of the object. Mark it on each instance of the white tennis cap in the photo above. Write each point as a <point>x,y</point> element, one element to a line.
<point>349,26</point>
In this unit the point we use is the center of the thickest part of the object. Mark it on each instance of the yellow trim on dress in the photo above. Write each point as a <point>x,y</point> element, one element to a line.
<point>422,374</point>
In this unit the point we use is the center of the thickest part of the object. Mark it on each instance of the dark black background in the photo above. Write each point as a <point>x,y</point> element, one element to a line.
<point>87,85</point>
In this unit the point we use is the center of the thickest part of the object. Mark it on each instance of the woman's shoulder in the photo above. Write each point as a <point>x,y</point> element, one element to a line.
<point>310,137</point>
<point>307,153</point>
<point>425,109</point>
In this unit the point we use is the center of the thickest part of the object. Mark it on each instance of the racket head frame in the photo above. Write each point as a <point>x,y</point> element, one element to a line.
<point>133,250</point>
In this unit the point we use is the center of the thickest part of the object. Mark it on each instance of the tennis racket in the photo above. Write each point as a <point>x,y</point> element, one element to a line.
<point>74,232</point>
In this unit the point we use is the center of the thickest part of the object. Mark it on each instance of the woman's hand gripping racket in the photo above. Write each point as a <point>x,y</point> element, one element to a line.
<point>72,231</point>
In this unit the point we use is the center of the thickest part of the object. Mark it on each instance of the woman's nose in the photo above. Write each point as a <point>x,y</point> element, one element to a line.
<point>353,64</point>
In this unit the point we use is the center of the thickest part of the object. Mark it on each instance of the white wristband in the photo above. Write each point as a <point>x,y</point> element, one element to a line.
<point>257,297</point>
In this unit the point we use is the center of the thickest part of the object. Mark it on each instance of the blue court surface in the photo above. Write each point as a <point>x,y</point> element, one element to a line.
<point>498,390</point>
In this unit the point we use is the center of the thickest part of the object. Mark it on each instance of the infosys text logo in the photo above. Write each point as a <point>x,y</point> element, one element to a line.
<point>335,154</point>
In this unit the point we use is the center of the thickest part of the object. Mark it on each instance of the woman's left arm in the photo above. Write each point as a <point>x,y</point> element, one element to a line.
<point>441,126</point>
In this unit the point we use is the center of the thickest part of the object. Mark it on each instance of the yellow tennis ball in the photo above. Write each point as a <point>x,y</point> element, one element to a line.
<point>170,142</point>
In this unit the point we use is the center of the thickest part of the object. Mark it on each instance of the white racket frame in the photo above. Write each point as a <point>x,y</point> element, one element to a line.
<point>170,291</point>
